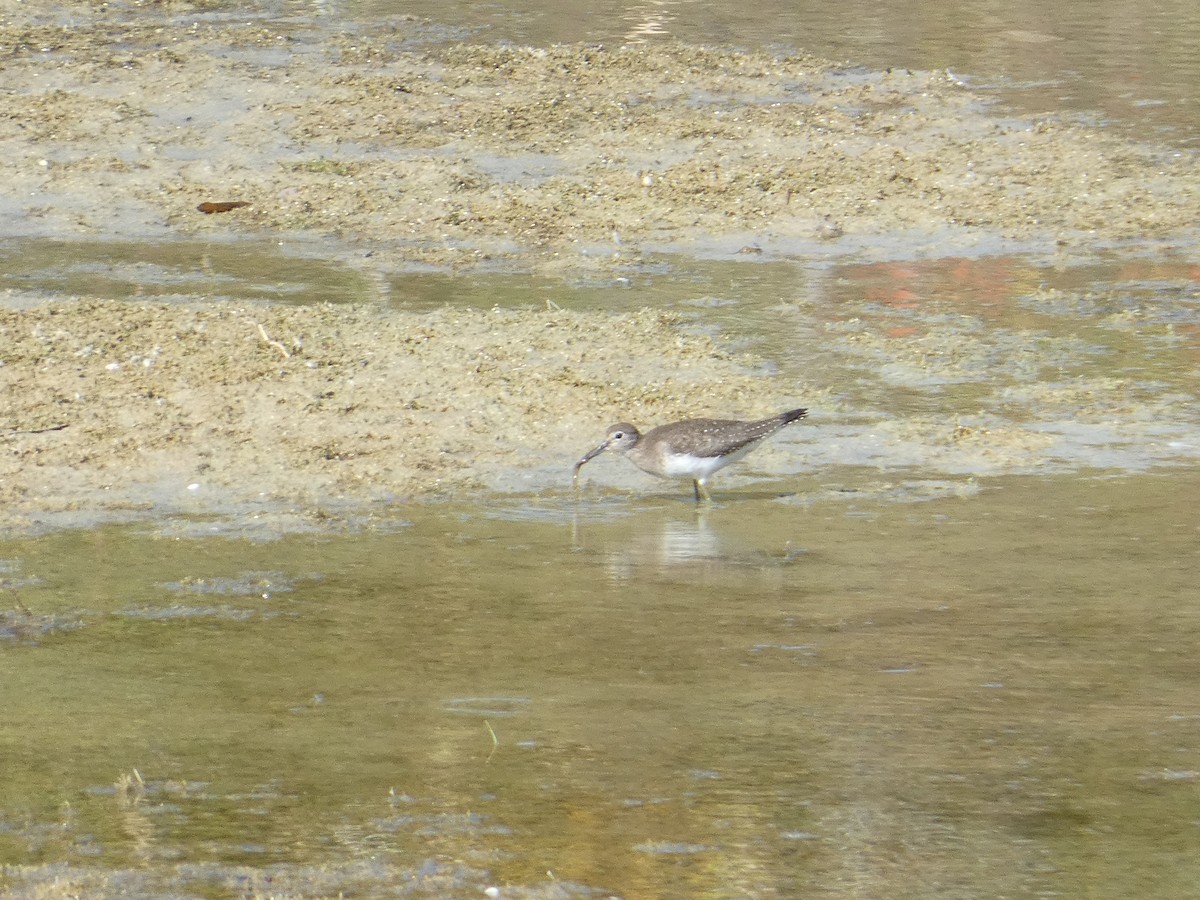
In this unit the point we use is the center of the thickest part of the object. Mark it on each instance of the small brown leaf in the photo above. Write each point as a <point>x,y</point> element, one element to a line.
<point>209,207</point>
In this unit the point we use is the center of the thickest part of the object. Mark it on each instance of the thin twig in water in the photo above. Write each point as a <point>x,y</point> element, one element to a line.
<point>495,740</point>
<point>276,344</point>
<point>40,430</point>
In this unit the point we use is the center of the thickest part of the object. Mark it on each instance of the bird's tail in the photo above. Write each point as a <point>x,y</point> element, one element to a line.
<point>793,415</point>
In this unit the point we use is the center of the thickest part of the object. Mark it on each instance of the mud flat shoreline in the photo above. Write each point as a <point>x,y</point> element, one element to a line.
<point>558,159</point>
<point>129,409</point>
<point>120,121</point>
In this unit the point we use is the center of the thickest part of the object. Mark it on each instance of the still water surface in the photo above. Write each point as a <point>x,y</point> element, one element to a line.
<point>808,691</point>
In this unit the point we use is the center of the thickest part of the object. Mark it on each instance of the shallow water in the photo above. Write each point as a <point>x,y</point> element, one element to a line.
<point>929,689</point>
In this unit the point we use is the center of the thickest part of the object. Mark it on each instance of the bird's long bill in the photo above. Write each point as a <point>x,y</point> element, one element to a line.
<point>591,454</point>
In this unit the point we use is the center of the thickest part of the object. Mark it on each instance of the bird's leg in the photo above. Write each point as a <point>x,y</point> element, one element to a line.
<point>701,490</point>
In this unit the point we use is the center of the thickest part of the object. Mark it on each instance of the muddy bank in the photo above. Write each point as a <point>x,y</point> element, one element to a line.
<point>284,417</point>
<point>135,408</point>
<point>567,158</point>
<point>393,150</point>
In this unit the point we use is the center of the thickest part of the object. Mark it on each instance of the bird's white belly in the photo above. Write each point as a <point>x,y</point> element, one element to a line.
<point>685,465</point>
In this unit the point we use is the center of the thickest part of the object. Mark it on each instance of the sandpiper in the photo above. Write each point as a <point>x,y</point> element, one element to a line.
<point>693,448</point>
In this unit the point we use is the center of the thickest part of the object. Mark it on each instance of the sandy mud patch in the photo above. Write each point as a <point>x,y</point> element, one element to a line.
<point>397,150</point>
<point>132,408</point>
<point>565,158</point>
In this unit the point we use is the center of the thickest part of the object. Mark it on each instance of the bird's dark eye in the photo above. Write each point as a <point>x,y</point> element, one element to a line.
<point>618,435</point>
